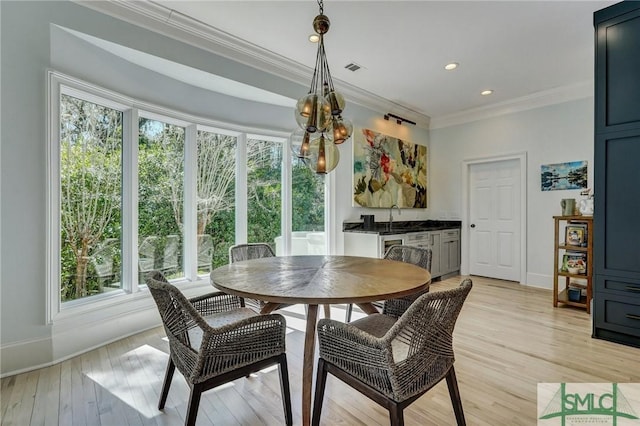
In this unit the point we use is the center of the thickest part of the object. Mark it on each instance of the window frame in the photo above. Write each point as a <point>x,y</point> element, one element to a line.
<point>133,109</point>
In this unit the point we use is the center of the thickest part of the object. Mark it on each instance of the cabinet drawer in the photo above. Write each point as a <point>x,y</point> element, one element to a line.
<point>450,235</point>
<point>618,313</point>
<point>626,286</point>
<point>418,238</point>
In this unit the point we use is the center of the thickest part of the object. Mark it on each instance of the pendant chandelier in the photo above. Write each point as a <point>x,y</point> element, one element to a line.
<point>319,113</point>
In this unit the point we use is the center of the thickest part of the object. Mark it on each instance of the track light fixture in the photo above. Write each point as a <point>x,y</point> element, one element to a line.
<point>398,119</point>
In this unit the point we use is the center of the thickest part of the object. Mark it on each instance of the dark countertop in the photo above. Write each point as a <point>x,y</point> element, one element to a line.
<point>402,227</point>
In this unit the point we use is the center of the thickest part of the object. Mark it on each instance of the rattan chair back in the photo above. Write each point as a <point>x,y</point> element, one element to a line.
<point>409,254</point>
<point>412,355</point>
<point>249,251</point>
<point>214,340</point>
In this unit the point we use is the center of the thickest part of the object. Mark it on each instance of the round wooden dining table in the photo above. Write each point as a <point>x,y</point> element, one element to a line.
<point>318,280</point>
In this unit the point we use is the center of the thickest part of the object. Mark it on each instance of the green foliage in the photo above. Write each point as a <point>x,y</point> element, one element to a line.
<point>86,166</point>
<point>222,229</point>
<point>264,192</point>
<point>90,182</point>
<point>307,199</point>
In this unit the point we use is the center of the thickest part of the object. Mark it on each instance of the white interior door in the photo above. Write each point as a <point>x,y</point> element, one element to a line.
<point>494,219</point>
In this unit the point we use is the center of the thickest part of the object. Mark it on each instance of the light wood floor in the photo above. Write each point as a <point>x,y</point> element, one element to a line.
<point>508,339</point>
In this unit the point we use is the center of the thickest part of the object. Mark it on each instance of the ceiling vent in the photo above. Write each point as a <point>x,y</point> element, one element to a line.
<point>353,67</point>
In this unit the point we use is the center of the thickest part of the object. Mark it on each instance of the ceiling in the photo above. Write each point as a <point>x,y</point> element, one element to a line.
<point>515,48</point>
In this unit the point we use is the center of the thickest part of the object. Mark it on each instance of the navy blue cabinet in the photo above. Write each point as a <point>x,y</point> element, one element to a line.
<point>618,67</point>
<point>616,292</point>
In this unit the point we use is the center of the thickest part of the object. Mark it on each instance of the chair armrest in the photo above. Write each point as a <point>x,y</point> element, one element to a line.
<point>240,343</point>
<point>253,324</point>
<point>347,342</point>
<point>215,302</point>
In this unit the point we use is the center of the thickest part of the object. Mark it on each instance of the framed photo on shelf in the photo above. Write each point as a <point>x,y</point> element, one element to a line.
<point>574,262</point>
<point>576,235</point>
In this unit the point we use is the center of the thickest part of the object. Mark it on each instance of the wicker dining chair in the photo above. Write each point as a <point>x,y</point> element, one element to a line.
<point>213,340</point>
<point>250,251</point>
<point>409,254</point>
<point>394,362</point>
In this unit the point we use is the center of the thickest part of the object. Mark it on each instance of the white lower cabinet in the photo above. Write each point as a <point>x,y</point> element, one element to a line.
<point>450,251</point>
<point>444,245</point>
<point>428,240</point>
<point>362,244</point>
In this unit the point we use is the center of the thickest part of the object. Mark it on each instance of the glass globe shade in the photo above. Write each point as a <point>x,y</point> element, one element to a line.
<point>313,113</point>
<point>341,130</point>
<point>336,101</point>
<point>299,143</point>
<point>324,155</point>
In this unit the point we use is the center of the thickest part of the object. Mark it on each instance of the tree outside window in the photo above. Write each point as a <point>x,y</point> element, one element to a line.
<point>160,198</point>
<point>91,194</point>
<point>90,197</point>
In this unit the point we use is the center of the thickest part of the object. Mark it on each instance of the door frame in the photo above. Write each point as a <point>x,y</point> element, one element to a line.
<point>466,195</point>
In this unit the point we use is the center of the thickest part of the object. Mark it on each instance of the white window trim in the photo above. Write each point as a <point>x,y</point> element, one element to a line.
<point>241,191</point>
<point>190,216</point>
<point>58,83</point>
<point>130,201</point>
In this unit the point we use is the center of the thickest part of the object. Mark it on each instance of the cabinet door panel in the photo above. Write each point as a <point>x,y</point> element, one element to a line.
<point>436,265</point>
<point>454,255</point>
<point>617,200</point>
<point>618,68</point>
<point>618,313</point>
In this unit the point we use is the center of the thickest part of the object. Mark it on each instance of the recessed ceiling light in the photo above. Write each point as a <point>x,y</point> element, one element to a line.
<point>451,66</point>
<point>486,92</point>
<point>314,38</point>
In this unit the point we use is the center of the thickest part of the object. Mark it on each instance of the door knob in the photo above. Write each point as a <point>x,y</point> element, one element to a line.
<point>473,225</point>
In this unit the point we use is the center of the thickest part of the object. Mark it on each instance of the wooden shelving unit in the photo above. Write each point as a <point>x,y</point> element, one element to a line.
<point>562,278</point>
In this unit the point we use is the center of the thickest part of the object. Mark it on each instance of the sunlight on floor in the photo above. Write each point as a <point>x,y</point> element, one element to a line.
<point>136,381</point>
<point>124,379</point>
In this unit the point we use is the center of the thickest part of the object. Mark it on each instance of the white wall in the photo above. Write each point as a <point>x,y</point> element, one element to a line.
<point>31,44</point>
<point>552,134</point>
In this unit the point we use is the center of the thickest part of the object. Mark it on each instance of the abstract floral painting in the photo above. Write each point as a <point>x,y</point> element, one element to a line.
<point>571,175</point>
<point>388,171</point>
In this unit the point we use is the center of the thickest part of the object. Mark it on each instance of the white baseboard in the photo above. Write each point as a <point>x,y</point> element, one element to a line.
<point>31,355</point>
<point>81,333</point>
<point>539,280</point>
<point>26,355</point>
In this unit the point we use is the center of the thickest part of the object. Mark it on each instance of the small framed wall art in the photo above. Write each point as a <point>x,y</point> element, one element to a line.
<point>571,175</point>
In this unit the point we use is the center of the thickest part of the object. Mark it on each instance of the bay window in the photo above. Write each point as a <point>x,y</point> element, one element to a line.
<point>135,188</point>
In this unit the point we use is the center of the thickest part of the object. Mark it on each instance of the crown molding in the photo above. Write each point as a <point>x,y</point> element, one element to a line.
<point>160,19</point>
<point>535,100</point>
